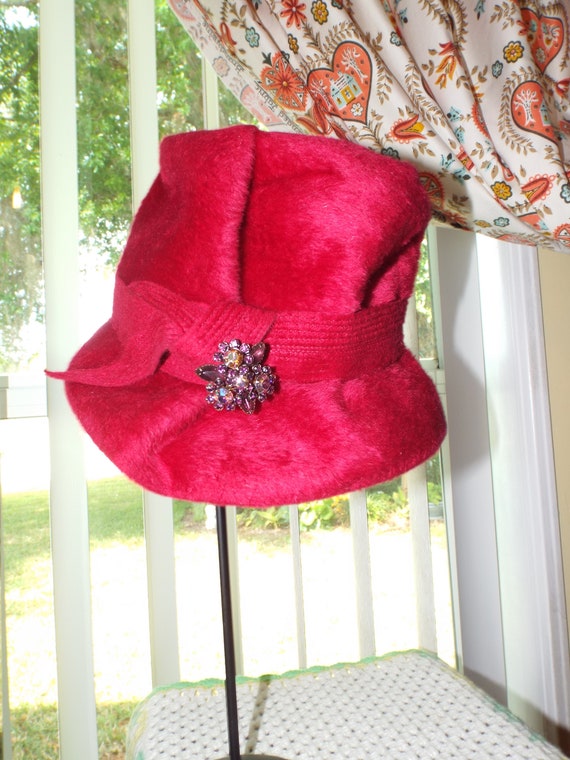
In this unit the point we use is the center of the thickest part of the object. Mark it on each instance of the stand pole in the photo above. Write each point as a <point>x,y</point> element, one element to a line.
<point>227,624</point>
<point>229,648</point>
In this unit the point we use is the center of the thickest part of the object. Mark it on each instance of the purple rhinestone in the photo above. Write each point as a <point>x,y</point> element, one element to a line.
<point>208,372</point>
<point>258,352</point>
<point>241,380</point>
<point>262,384</point>
<point>224,395</point>
<point>247,403</point>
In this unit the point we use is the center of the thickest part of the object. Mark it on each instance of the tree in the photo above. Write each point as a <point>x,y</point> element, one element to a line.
<point>103,141</point>
<point>20,267</point>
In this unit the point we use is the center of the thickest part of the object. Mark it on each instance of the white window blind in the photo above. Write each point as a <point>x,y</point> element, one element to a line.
<point>68,499</point>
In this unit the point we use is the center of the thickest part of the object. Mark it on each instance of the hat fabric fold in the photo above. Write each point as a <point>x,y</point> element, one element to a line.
<point>307,244</point>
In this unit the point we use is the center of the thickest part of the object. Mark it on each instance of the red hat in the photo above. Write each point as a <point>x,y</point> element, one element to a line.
<point>255,353</point>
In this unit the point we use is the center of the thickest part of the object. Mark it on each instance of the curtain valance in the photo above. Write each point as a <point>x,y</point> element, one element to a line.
<point>474,94</point>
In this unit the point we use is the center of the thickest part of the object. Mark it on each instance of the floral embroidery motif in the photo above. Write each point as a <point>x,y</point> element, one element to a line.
<point>281,79</point>
<point>513,51</point>
<point>293,12</point>
<point>405,130</point>
<point>293,43</point>
<point>502,190</point>
<point>320,11</point>
<point>460,94</point>
<point>529,110</point>
<point>538,187</point>
<point>344,89</point>
<point>446,68</point>
<point>497,69</point>
<point>545,35</point>
<point>221,66</point>
<point>252,37</point>
<point>390,152</point>
<point>562,233</point>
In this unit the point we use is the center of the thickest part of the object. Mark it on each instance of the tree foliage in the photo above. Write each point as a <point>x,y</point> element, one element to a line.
<point>424,307</point>
<point>20,269</point>
<point>103,139</point>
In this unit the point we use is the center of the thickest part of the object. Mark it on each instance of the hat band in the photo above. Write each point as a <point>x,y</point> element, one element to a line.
<point>158,330</point>
<point>304,346</point>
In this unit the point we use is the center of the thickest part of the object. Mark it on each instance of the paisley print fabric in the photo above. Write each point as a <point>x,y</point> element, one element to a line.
<point>475,93</point>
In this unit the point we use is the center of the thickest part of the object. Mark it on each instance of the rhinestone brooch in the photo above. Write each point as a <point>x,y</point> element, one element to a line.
<point>239,379</point>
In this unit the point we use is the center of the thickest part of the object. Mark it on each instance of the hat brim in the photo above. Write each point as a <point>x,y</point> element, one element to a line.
<point>161,432</point>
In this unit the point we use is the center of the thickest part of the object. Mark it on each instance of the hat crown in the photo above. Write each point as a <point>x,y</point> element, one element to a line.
<point>279,222</point>
<point>307,244</point>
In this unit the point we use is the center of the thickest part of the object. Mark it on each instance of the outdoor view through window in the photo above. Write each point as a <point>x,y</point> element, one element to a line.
<point>118,576</point>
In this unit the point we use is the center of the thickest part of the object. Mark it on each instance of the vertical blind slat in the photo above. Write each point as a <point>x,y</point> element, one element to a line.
<point>419,522</point>
<point>210,96</point>
<point>362,573</point>
<point>444,453</point>
<point>158,518</point>
<point>6,745</point>
<point>233,561</point>
<point>295,532</point>
<point>161,589</point>
<point>476,573</point>
<point>68,497</point>
<point>524,486</point>
<point>421,551</point>
<point>142,97</point>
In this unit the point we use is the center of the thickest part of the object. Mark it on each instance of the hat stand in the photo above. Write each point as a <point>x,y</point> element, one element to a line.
<point>229,648</point>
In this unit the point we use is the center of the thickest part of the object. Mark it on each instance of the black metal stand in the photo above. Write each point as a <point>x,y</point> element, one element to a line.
<point>229,648</point>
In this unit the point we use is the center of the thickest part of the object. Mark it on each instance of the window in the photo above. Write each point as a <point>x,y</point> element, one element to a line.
<point>117,556</point>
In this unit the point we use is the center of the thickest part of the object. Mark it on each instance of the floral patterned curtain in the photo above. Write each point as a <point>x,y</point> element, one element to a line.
<point>473,92</point>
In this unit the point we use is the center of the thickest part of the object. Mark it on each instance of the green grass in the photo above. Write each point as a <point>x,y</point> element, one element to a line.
<point>115,515</point>
<point>26,536</point>
<point>115,512</point>
<point>35,733</point>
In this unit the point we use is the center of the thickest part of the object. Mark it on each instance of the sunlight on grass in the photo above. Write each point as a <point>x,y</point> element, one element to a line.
<point>35,734</point>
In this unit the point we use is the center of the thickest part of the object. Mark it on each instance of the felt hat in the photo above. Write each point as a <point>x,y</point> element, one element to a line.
<point>255,355</point>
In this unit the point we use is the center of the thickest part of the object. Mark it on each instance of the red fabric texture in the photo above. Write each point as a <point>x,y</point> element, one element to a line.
<point>307,243</point>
